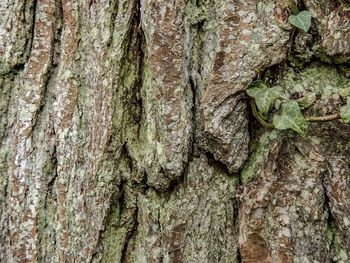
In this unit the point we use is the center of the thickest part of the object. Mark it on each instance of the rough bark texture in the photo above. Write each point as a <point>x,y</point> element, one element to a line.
<point>126,134</point>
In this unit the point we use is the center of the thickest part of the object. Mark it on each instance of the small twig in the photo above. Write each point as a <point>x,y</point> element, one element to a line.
<point>322,118</point>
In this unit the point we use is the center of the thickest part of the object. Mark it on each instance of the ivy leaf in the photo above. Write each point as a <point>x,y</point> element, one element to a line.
<point>291,118</point>
<point>264,96</point>
<point>302,20</point>
<point>344,92</point>
<point>307,100</point>
<point>345,112</point>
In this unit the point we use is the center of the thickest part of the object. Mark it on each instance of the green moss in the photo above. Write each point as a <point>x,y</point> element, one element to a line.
<point>329,234</point>
<point>315,140</point>
<point>259,156</point>
<point>324,80</point>
<point>3,169</point>
<point>196,14</point>
<point>335,243</point>
<point>114,236</point>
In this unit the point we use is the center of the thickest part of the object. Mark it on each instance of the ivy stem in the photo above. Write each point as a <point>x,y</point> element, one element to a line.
<point>258,116</point>
<point>269,125</point>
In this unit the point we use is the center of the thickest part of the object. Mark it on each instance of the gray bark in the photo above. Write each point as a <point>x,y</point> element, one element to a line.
<point>126,134</point>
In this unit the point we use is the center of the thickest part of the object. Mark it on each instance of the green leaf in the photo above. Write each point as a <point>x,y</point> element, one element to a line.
<point>344,92</point>
<point>264,96</point>
<point>291,118</point>
<point>345,112</point>
<point>302,20</point>
<point>307,100</point>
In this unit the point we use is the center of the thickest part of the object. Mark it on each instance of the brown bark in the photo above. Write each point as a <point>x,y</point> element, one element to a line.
<point>126,134</point>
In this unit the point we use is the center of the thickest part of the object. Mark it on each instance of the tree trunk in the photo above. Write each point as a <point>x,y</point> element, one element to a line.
<point>126,134</point>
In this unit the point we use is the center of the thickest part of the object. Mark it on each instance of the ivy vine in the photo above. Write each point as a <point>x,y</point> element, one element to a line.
<point>263,101</point>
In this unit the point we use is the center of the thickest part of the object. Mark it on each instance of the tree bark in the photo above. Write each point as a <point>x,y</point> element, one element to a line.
<point>126,134</point>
